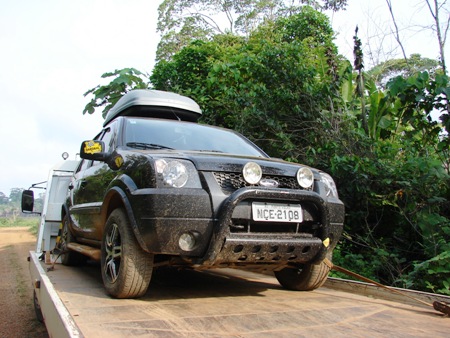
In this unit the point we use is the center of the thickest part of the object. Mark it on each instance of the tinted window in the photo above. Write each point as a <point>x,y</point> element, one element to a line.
<point>157,134</point>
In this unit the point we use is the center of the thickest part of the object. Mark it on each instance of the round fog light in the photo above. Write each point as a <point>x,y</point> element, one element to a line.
<point>252,172</point>
<point>187,241</point>
<point>305,177</point>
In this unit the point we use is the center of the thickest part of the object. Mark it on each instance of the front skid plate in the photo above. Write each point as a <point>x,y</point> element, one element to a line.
<point>277,251</point>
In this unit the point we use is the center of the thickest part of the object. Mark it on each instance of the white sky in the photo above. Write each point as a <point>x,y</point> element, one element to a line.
<point>53,51</point>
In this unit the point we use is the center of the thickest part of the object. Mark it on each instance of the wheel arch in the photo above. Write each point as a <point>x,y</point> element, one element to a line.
<point>117,198</point>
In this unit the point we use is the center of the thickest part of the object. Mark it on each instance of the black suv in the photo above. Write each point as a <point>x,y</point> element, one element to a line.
<point>156,188</point>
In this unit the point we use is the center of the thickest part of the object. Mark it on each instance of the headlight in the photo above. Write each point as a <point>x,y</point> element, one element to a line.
<point>305,177</point>
<point>252,173</point>
<point>330,186</point>
<point>176,173</point>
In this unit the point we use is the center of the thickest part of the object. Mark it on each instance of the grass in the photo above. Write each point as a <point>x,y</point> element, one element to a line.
<point>21,283</point>
<point>30,222</point>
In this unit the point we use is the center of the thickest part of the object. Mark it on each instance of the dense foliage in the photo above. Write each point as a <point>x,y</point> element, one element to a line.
<point>387,147</point>
<point>398,226</point>
<point>269,86</point>
<point>182,21</point>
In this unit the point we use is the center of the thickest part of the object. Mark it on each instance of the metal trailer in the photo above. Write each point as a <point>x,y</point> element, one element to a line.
<point>214,303</point>
<point>56,192</point>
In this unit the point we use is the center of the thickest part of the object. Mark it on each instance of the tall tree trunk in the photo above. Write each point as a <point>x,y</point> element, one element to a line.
<point>441,33</point>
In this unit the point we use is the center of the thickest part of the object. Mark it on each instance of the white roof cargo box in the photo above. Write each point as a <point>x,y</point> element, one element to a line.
<point>155,103</point>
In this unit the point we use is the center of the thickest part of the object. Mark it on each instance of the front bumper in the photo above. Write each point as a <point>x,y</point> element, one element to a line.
<point>274,249</point>
<point>164,216</point>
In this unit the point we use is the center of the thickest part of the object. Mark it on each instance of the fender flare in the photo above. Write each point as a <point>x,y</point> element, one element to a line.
<point>108,206</point>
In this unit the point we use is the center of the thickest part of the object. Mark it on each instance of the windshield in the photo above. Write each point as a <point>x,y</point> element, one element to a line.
<point>166,134</point>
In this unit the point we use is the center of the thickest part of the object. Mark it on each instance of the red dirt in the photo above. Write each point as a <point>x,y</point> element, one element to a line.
<point>16,292</point>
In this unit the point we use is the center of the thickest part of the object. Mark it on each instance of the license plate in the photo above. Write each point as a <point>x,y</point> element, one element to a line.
<point>275,212</point>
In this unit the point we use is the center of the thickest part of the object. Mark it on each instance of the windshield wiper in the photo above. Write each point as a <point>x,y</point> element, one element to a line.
<point>142,145</point>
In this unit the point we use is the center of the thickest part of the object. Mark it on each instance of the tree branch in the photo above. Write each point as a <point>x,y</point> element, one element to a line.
<point>397,35</point>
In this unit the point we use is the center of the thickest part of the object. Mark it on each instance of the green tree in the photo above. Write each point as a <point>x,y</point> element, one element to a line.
<point>389,69</point>
<point>3,198</point>
<point>416,98</point>
<point>182,21</point>
<point>279,78</point>
<point>107,95</point>
<point>395,182</point>
<point>15,196</point>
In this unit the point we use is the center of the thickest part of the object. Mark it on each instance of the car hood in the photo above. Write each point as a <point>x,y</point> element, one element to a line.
<point>207,161</point>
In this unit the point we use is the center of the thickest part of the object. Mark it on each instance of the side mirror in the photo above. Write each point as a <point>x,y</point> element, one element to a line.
<point>27,200</point>
<point>93,150</point>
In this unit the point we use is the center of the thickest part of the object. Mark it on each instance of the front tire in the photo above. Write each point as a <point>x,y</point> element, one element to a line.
<point>306,278</point>
<point>126,268</point>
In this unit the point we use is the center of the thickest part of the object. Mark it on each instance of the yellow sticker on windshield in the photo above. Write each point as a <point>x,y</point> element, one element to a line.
<point>92,147</point>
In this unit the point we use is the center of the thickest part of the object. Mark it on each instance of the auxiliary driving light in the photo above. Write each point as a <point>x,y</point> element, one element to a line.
<point>305,177</point>
<point>252,172</point>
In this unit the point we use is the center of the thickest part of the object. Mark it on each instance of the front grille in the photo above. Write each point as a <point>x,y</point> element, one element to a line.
<point>230,182</point>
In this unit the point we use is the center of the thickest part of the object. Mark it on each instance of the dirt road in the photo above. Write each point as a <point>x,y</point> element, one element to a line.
<point>16,293</point>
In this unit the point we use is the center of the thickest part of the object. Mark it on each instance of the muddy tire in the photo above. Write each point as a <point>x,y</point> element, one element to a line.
<point>126,268</point>
<point>69,257</point>
<point>306,278</point>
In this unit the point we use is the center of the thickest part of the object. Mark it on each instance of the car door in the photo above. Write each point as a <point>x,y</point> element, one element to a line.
<point>88,189</point>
